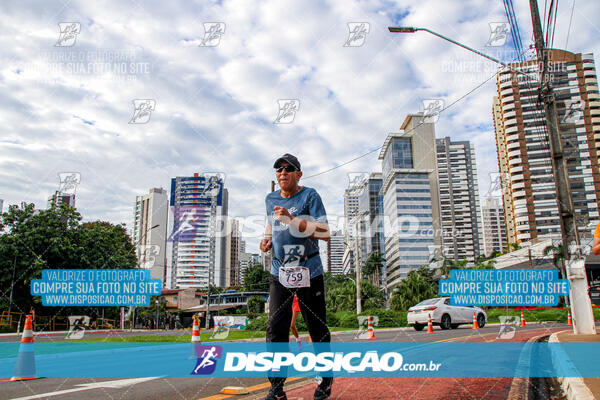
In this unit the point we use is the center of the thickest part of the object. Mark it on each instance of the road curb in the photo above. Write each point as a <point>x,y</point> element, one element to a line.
<point>50,333</point>
<point>573,387</point>
<point>519,387</point>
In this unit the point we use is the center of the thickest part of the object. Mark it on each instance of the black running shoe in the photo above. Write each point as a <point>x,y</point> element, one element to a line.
<point>276,394</point>
<point>323,391</point>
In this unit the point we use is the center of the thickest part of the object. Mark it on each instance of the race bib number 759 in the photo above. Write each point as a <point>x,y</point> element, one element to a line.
<point>294,277</point>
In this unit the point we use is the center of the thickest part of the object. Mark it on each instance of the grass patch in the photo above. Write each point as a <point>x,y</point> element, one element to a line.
<point>204,336</point>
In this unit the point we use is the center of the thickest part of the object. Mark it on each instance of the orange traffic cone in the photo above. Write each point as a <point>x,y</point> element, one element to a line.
<point>569,319</point>
<point>196,340</point>
<point>25,365</point>
<point>475,323</point>
<point>309,339</point>
<point>370,330</point>
<point>429,325</point>
<point>196,332</point>
<point>522,318</point>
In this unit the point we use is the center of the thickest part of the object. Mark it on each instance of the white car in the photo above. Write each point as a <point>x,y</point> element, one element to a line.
<point>443,314</point>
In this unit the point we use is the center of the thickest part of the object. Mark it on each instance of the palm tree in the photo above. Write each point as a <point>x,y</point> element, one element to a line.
<point>449,264</point>
<point>372,268</point>
<point>558,255</point>
<point>417,286</point>
<point>558,259</point>
<point>511,247</point>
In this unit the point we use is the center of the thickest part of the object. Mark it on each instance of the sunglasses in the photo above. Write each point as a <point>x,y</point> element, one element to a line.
<point>288,168</point>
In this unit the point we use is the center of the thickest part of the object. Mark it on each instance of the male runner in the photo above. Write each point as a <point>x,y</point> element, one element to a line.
<point>297,219</point>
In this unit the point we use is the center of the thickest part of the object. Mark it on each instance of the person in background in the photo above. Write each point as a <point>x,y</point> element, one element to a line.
<point>295,311</point>
<point>596,245</point>
<point>32,312</point>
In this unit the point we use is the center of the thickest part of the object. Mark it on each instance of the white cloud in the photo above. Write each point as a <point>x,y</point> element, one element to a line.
<point>215,106</point>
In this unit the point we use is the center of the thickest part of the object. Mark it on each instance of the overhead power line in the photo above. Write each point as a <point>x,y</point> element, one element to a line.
<point>570,20</point>
<point>406,131</point>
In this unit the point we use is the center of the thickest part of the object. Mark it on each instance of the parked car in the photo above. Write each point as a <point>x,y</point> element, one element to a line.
<point>443,314</point>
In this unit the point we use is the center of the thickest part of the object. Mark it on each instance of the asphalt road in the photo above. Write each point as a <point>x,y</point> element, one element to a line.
<point>346,388</point>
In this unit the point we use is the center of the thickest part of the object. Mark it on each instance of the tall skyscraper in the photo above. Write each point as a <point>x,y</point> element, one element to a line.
<point>149,232</point>
<point>335,253</point>
<point>368,221</point>
<point>350,207</point>
<point>501,181</point>
<point>247,260</point>
<point>199,235</point>
<point>494,228</point>
<point>459,200</point>
<point>1,205</point>
<point>232,253</point>
<point>59,197</point>
<point>523,148</point>
<point>410,197</point>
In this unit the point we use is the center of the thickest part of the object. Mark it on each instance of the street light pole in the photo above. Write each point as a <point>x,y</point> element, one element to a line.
<point>156,303</point>
<point>410,29</point>
<point>357,268</point>
<point>12,284</point>
<point>357,282</point>
<point>144,257</point>
<point>583,317</point>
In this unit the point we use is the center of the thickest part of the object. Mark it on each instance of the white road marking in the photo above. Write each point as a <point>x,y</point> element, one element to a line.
<point>121,383</point>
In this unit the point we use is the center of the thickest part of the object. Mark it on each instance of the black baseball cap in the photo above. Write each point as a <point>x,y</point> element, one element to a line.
<point>288,158</point>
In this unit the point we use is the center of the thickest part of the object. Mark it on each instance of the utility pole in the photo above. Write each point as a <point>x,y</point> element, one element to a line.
<point>357,269</point>
<point>207,323</point>
<point>583,317</point>
<point>12,284</point>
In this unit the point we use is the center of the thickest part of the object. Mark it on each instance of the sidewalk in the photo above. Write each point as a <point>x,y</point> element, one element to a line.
<point>578,388</point>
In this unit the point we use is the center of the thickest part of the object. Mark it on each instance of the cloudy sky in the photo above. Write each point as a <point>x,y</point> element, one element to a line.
<point>67,102</point>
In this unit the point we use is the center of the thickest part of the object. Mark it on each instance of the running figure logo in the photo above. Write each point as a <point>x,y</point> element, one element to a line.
<point>186,223</point>
<point>142,110</point>
<point>68,33</point>
<point>207,359</point>
<point>357,34</point>
<point>69,181</point>
<point>431,109</point>
<point>212,34</point>
<point>498,34</point>
<point>292,253</point>
<point>287,111</point>
<point>573,112</point>
<point>77,325</point>
<point>508,327</point>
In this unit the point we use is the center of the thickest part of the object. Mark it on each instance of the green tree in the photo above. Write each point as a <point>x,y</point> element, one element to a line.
<point>340,294</point>
<point>256,279</point>
<point>417,286</point>
<point>483,262</point>
<point>449,264</point>
<point>34,240</point>
<point>256,305</point>
<point>216,289</point>
<point>558,255</point>
<point>511,247</point>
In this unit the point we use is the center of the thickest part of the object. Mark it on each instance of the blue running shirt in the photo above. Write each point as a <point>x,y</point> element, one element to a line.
<point>289,244</point>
